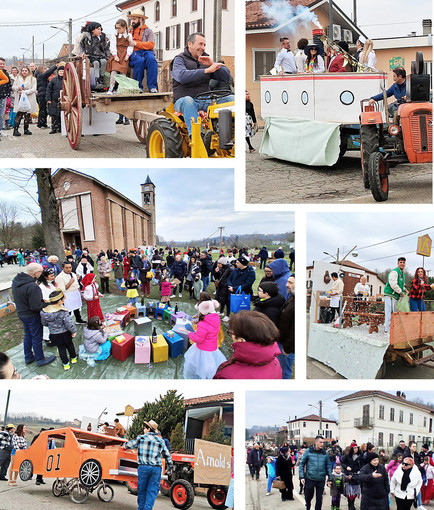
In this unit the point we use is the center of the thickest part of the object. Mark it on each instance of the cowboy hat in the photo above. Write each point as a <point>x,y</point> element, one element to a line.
<point>152,425</point>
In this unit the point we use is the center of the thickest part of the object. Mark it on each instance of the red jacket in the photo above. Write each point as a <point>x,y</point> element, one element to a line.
<point>251,361</point>
<point>417,290</point>
<point>337,66</point>
<point>207,332</point>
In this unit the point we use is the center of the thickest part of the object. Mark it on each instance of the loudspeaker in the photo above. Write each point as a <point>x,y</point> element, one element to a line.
<point>418,87</point>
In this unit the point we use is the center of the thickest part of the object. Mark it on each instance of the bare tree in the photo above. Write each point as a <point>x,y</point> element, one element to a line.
<point>49,212</point>
<point>9,227</point>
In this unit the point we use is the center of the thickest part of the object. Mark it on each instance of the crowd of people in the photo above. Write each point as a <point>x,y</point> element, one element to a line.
<point>352,473</point>
<point>49,294</point>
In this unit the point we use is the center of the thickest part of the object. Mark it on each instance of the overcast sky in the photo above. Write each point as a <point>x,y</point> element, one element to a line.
<point>377,19</point>
<point>326,232</point>
<point>191,203</point>
<point>269,408</point>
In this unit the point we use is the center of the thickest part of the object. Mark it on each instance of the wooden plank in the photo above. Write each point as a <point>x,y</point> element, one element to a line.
<point>405,327</point>
<point>149,117</point>
<point>427,324</point>
<point>127,105</point>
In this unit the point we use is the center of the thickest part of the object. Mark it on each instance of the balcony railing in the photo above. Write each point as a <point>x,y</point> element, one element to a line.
<point>363,423</point>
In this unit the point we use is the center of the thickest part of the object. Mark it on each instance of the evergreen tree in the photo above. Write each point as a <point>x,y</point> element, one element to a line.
<point>217,432</point>
<point>167,411</point>
<point>177,441</point>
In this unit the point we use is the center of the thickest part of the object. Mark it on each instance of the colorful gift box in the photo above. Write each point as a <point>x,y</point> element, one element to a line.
<point>160,349</point>
<point>150,309</point>
<point>182,331</point>
<point>168,312</point>
<point>122,315</point>
<point>142,326</point>
<point>133,311</point>
<point>176,316</point>
<point>142,352</point>
<point>175,342</point>
<point>159,311</point>
<point>113,329</point>
<point>123,350</point>
<point>141,310</point>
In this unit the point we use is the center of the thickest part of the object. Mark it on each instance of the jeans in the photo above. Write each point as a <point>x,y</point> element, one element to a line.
<point>286,361</point>
<point>263,263</point>
<point>32,338</point>
<point>189,107</point>
<point>141,60</point>
<point>205,280</point>
<point>42,115</point>
<point>389,307</point>
<point>133,300</point>
<point>309,488</point>
<point>2,111</point>
<point>136,273</point>
<point>417,305</point>
<point>148,486</point>
<point>119,282</point>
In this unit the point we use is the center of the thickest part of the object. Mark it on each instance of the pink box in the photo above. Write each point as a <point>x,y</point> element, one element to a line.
<point>142,350</point>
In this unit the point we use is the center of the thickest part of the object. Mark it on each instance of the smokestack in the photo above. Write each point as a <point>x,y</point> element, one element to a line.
<point>427,26</point>
<point>398,393</point>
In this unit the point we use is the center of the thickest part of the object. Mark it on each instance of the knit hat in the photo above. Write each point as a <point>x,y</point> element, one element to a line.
<point>222,260</point>
<point>244,260</point>
<point>270,288</point>
<point>207,307</point>
<point>371,456</point>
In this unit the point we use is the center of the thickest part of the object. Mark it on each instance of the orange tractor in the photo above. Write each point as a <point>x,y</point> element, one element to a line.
<point>405,139</point>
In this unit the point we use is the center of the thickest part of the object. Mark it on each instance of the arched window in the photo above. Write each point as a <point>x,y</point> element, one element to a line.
<point>174,8</point>
<point>157,11</point>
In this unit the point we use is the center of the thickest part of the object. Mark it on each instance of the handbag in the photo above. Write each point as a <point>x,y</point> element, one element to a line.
<point>240,301</point>
<point>279,484</point>
<point>24,104</point>
<point>106,275</point>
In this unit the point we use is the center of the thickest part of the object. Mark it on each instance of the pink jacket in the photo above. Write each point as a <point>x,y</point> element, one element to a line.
<point>166,289</point>
<point>252,361</point>
<point>391,468</point>
<point>207,332</point>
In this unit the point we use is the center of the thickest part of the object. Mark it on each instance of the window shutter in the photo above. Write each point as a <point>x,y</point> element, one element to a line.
<point>178,35</point>
<point>199,25</point>
<point>186,32</point>
<point>167,38</point>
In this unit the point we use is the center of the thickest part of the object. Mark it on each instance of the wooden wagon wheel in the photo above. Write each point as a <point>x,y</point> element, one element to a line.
<point>71,105</point>
<point>141,129</point>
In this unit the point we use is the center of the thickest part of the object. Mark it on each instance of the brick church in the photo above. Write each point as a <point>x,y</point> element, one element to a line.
<point>96,216</point>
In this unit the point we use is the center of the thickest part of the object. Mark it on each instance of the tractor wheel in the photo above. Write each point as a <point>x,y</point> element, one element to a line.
<point>181,494</point>
<point>26,470</point>
<point>165,488</point>
<point>90,473</point>
<point>164,140</point>
<point>368,145</point>
<point>105,493</point>
<point>132,488</point>
<point>216,497</point>
<point>79,493</point>
<point>378,177</point>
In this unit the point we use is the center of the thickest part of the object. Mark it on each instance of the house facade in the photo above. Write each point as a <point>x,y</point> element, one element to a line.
<point>308,427</point>
<point>384,419</point>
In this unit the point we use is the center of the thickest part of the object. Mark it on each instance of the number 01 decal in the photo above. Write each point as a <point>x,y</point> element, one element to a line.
<point>50,462</point>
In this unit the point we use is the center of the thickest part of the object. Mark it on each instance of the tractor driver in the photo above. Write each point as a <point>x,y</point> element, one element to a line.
<point>191,72</point>
<point>398,89</point>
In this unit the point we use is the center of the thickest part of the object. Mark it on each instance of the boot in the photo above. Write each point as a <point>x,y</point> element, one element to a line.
<point>16,126</point>
<point>16,132</point>
<point>26,128</point>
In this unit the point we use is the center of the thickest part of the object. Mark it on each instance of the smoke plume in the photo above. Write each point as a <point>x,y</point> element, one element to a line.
<point>283,10</point>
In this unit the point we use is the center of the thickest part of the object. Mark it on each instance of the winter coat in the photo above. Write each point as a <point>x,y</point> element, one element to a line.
<point>337,485</point>
<point>95,47</point>
<point>287,325</point>
<point>271,308</point>
<point>415,456</point>
<point>53,94</point>
<point>170,259</point>
<point>205,266</point>
<point>349,462</point>
<point>244,278</point>
<point>192,270</point>
<point>58,321</point>
<point>178,270</point>
<point>251,361</point>
<point>205,337</point>
<point>42,81</point>
<point>103,267</point>
<point>221,276</point>
<point>27,296</point>
<point>315,465</point>
<point>263,253</point>
<point>166,288</point>
<point>255,457</point>
<point>136,262</point>
<point>30,87</point>
<point>92,339</point>
<point>197,287</point>
<point>392,467</point>
<point>414,485</point>
<point>281,273</point>
<point>119,271</point>
<point>284,470</point>
<point>55,267</point>
<point>374,490</point>
<point>145,267</point>
<point>6,88</point>
<point>131,284</point>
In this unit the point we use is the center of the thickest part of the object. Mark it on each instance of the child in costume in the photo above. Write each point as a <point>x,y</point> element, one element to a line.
<point>62,328</point>
<point>203,358</point>
<point>121,47</point>
<point>337,486</point>
<point>131,284</point>
<point>91,295</point>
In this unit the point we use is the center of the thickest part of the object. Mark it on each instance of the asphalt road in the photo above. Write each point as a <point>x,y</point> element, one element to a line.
<point>272,181</point>
<point>123,144</point>
<point>29,496</point>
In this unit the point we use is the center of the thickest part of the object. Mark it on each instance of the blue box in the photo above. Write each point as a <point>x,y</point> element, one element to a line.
<point>175,342</point>
<point>150,310</point>
<point>183,331</point>
<point>159,311</point>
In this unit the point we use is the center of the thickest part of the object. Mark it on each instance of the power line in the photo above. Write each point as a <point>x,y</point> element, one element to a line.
<point>395,238</point>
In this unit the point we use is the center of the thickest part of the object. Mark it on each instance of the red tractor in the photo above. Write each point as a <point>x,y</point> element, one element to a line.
<point>405,139</point>
<point>180,486</point>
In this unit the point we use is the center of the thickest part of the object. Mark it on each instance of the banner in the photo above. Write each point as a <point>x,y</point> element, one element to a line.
<point>212,463</point>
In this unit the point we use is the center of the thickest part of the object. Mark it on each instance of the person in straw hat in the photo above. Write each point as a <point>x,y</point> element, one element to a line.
<point>143,55</point>
<point>150,449</point>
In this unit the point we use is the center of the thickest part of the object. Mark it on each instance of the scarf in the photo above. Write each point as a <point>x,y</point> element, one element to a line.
<point>405,479</point>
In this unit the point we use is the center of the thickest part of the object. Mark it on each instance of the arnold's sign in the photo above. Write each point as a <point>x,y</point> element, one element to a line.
<point>212,463</point>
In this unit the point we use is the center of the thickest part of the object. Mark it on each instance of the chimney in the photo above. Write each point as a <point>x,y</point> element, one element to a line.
<point>403,395</point>
<point>427,26</point>
<point>398,393</point>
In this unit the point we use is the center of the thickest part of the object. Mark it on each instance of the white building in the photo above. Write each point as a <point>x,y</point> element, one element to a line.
<point>173,20</point>
<point>308,427</point>
<point>383,419</point>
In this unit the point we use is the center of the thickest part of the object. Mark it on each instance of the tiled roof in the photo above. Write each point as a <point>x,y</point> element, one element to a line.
<point>64,51</point>
<point>221,397</point>
<point>255,17</point>
<point>360,394</point>
<point>311,417</point>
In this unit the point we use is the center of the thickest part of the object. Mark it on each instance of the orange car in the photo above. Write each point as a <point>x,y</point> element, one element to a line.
<point>89,459</point>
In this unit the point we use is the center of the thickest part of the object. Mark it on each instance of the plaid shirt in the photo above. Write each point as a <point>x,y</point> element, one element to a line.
<point>150,448</point>
<point>5,439</point>
<point>417,290</point>
<point>19,442</point>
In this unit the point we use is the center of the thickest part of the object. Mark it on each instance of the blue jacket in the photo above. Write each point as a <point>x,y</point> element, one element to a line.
<point>178,269</point>
<point>281,273</point>
<point>315,465</point>
<point>395,90</point>
<point>243,277</point>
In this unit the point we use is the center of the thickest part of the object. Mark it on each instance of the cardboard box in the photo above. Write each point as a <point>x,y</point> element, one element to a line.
<point>142,350</point>
<point>123,350</point>
<point>122,316</point>
<point>160,349</point>
<point>168,312</point>
<point>7,309</point>
<point>142,326</point>
<point>159,311</point>
<point>175,342</point>
<point>183,331</point>
<point>150,309</point>
<point>133,311</point>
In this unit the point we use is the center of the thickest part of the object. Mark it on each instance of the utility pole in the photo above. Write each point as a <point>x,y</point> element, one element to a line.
<point>70,37</point>
<point>33,48</point>
<point>355,11</point>
<point>6,410</point>
<point>217,30</point>
<point>320,416</point>
<point>220,241</point>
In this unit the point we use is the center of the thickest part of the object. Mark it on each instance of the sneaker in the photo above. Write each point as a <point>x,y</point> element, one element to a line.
<point>126,122</point>
<point>73,361</point>
<point>221,314</point>
<point>180,295</point>
<point>153,91</point>
<point>45,361</point>
<point>225,318</point>
<point>28,361</point>
<point>119,121</point>
<point>66,367</point>
<point>268,493</point>
<point>109,92</point>
<point>81,321</point>
<point>172,296</point>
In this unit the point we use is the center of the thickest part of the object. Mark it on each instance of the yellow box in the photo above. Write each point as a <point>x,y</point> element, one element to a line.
<point>120,339</point>
<point>160,350</point>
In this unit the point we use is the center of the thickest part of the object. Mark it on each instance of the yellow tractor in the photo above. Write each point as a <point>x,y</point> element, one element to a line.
<point>212,134</point>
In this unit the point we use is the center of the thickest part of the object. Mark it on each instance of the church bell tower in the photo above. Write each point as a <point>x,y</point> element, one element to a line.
<point>148,203</point>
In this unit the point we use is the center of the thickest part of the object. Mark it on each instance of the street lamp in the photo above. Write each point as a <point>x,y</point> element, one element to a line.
<point>320,413</point>
<point>25,50</point>
<point>69,33</point>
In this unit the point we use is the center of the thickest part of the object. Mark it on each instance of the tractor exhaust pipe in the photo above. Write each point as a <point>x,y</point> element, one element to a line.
<point>225,130</point>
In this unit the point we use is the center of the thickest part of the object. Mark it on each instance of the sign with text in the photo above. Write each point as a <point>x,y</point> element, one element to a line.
<point>212,462</point>
<point>424,244</point>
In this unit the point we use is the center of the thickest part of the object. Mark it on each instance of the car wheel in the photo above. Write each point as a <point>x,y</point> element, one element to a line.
<point>90,473</point>
<point>26,470</point>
